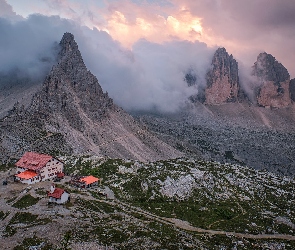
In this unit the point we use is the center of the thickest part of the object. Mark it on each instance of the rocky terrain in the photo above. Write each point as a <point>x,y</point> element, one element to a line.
<point>292,89</point>
<point>71,114</point>
<point>174,204</point>
<point>157,198</point>
<point>226,126</point>
<point>236,133</point>
<point>222,124</point>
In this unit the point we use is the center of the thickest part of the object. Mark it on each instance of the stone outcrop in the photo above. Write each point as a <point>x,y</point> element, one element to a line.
<point>222,79</point>
<point>274,81</point>
<point>70,88</point>
<point>274,94</point>
<point>292,90</point>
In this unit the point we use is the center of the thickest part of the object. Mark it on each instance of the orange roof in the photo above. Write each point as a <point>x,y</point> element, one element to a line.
<point>89,179</point>
<point>33,161</point>
<point>28,174</point>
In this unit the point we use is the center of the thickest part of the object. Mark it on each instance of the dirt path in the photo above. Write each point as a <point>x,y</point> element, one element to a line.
<point>6,221</point>
<point>186,226</point>
<point>264,119</point>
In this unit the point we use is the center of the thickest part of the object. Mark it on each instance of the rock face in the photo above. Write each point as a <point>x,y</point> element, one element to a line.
<point>292,90</point>
<point>71,90</point>
<point>274,80</point>
<point>223,79</point>
<point>72,107</point>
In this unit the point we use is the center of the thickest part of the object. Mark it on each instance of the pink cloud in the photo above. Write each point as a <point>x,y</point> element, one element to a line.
<point>246,28</point>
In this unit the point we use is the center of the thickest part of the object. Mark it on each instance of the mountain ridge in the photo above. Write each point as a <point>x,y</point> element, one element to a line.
<point>72,105</point>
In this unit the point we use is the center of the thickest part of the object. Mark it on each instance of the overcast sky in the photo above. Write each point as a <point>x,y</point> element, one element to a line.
<point>147,45</point>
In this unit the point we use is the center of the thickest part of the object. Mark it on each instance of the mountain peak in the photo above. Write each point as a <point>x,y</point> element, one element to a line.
<point>275,82</point>
<point>267,68</point>
<point>69,56</point>
<point>72,103</point>
<point>220,50</point>
<point>223,79</point>
<point>68,44</point>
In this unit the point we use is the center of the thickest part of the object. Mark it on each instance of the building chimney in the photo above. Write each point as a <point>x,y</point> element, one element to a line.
<point>52,188</point>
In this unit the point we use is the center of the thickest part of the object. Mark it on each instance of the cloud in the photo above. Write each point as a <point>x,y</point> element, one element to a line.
<point>148,76</point>
<point>247,28</point>
<point>244,28</point>
<point>151,76</point>
<point>6,11</point>
<point>141,50</point>
<point>128,22</point>
<point>27,46</point>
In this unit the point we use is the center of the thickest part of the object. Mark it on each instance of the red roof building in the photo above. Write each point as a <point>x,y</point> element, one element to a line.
<point>28,174</point>
<point>60,175</point>
<point>33,161</point>
<point>34,167</point>
<point>58,195</point>
<point>88,180</point>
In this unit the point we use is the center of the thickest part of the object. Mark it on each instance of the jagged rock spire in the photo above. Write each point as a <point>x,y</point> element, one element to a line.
<point>70,87</point>
<point>69,57</point>
<point>223,79</point>
<point>267,68</point>
<point>274,78</point>
<point>68,44</point>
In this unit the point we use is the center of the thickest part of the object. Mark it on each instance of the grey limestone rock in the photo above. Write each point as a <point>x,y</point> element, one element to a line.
<point>70,87</point>
<point>267,68</point>
<point>72,107</point>
<point>292,89</point>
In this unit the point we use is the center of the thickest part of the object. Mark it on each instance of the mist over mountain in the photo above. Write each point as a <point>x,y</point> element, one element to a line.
<point>193,142</point>
<point>150,76</point>
<point>70,113</point>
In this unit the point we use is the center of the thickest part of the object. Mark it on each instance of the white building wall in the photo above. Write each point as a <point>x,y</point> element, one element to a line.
<point>20,170</point>
<point>25,181</point>
<point>30,181</point>
<point>63,199</point>
<point>51,169</point>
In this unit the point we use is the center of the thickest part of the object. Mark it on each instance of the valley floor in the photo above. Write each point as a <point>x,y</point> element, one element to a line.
<point>156,206</point>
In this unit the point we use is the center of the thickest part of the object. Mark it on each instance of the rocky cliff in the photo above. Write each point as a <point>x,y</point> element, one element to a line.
<point>222,79</point>
<point>292,90</point>
<point>71,91</point>
<point>274,81</point>
<point>72,114</point>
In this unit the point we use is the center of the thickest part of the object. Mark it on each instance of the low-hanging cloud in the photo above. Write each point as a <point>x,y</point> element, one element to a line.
<point>247,28</point>
<point>21,49</point>
<point>149,76</point>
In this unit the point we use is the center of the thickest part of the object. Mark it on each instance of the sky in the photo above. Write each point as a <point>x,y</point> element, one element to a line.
<point>140,50</point>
